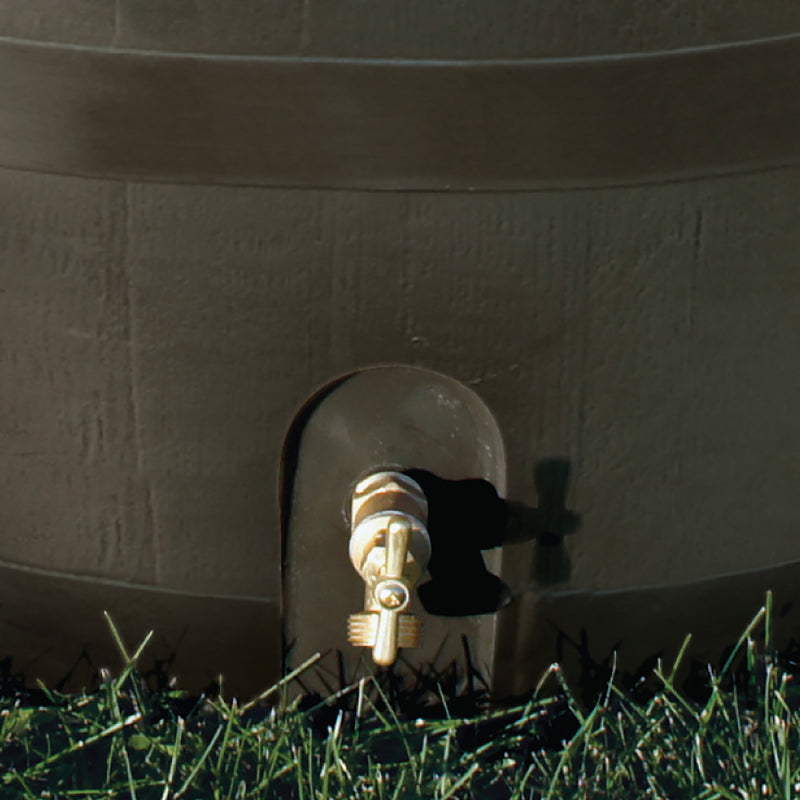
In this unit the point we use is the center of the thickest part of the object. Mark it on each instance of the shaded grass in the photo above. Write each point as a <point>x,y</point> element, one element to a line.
<point>371,740</point>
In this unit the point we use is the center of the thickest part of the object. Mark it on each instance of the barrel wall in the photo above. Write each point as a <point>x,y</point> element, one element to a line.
<point>396,29</point>
<point>161,328</point>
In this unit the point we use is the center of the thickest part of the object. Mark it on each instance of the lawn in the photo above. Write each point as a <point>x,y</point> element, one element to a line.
<point>376,739</point>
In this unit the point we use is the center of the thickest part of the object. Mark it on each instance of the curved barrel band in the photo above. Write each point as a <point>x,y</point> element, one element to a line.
<point>399,125</point>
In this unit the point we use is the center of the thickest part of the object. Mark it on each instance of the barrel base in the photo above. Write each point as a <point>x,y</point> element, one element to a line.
<point>52,628</point>
<point>590,633</point>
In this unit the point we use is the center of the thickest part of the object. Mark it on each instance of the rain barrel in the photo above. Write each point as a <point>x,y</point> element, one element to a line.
<point>585,213</point>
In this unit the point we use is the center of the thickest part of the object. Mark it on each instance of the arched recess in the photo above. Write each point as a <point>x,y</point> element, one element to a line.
<point>391,416</point>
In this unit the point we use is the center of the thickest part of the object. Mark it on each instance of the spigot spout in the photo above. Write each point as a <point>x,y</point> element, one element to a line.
<point>390,549</point>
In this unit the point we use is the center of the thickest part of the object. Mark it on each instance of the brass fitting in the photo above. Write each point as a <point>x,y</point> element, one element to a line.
<point>390,549</point>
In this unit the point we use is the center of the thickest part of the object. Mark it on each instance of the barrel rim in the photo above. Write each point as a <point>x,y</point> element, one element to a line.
<point>400,125</point>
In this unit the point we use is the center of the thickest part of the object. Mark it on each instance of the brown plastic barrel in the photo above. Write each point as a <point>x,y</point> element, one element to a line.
<point>585,212</point>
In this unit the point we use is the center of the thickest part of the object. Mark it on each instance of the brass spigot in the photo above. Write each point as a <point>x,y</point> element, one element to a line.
<point>390,549</point>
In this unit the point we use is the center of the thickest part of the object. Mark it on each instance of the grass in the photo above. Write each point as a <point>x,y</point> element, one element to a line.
<point>371,740</point>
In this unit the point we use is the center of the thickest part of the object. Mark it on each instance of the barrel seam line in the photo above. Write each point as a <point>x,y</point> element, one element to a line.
<point>371,62</point>
<point>120,584</point>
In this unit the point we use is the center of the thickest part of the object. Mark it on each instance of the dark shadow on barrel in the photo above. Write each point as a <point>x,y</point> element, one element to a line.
<point>464,517</point>
<point>288,470</point>
<point>468,516</point>
<point>552,522</point>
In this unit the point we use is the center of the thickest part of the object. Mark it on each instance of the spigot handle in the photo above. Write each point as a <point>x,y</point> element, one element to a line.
<point>390,548</point>
<point>391,592</point>
<point>384,651</point>
<point>397,534</point>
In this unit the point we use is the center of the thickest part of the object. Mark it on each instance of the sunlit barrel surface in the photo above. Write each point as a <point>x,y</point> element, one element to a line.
<point>585,213</point>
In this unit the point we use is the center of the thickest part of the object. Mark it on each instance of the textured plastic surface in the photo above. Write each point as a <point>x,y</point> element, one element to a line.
<point>161,325</point>
<point>387,417</point>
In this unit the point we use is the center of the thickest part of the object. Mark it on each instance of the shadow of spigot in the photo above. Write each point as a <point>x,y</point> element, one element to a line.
<point>468,516</point>
<point>464,518</point>
<point>547,524</point>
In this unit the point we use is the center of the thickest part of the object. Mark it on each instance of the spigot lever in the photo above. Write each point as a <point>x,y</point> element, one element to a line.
<point>389,547</point>
<point>391,593</point>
